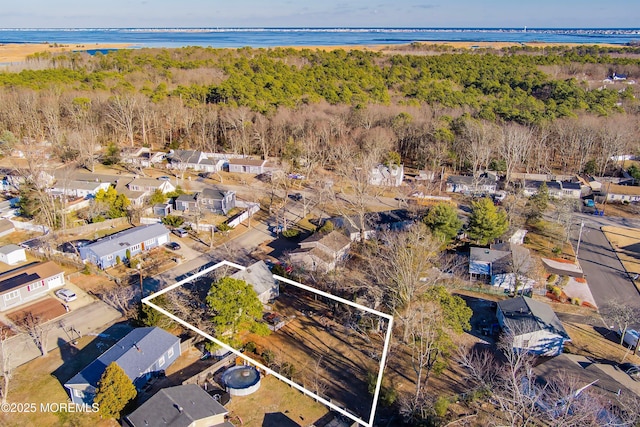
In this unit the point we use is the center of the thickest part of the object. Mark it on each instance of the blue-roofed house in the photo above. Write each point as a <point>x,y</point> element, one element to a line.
<point>142,353</point>
<point>105,252</point>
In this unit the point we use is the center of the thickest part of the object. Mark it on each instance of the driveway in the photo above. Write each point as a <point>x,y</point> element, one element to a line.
<point>86,320</point>
<point>607,277</point>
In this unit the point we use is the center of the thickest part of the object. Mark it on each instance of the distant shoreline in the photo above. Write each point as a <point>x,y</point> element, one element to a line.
<point>11,53</point>
<point>18,52</point>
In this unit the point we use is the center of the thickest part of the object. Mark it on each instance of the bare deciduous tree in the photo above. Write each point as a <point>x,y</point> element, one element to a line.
<point>6,370</point>
<point>37,329</point>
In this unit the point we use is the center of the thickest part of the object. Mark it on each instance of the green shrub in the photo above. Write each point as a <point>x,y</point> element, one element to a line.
<point>268,356</point>
<point>118,260</point>
<point>86,270</point>
<point>556,291</point>
<point>564,281</point>
<point>556,250</point>
<point>552,278</point>
<point>441,406</point>
<point>327,227</point>
<point>250,346</point>
<point>291,233</point>
<point>576,301</point>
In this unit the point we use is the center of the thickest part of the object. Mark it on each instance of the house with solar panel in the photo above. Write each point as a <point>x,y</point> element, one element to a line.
<point>29,282</point>
<point>142,354</point>
<point>106,252</point>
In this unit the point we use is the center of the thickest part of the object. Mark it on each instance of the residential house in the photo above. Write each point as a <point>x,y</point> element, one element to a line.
<point>6,227</point>
<point>390,176</point>
<point>531,187</point>
<point>261,279</point>
<point>467,184</point>
<point>186,405</point>
<point>141,156</point>
<point>150,185</point>
<point>217,201</point>
<point>29,282</point>
<point>571,190</point>
<point>12,254</point>
<point>533,325</point>
<point>142,354</point>
<point>621,193</point>
<point>107,251</point>
<point>248,165</point>
<point>505,266</point>
<point>604,378</point>
<point>14,178</point>
<point>194,159</point>
<point>186,202</point>
<point>374,222</point>
<point>137,198</point>
<point>321,252</point>
<point>162,209</point>
<point>78,189</point>
<point>425,175</point>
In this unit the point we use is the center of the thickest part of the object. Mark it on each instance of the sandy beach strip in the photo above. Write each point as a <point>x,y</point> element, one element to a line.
<point>18,52</point>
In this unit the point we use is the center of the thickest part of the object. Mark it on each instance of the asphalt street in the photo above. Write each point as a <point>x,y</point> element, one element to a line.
<point>604,272</point>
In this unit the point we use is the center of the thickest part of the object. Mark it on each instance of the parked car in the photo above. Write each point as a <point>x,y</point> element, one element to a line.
<point>180,232</point>
<point>631,337</point>
<point>66,295</point>
<point>589,203</point>
<point>297,197</point>
<point>164,178</point>
<point>631,369</point>
<point>173,245</point>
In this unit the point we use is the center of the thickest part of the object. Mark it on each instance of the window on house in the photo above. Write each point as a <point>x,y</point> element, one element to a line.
<point>161,361</point>
<point>135,247</point>
<point>12,295</point>
<point>170,352</point>
<point>109,257</point>
<point>149,242</point>
<point>78,393</point>
<point>525,344</point>
<point>35,286</point>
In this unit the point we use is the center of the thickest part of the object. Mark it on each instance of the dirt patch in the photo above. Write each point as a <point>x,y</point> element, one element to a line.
<point>46,309</point>
<point>327,357</point>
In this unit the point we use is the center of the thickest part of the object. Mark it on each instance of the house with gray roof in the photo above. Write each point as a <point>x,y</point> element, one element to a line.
<point>216,200</point>
<point>78,189</point>
<point>186,202</point>
<point>468,184</point>
<point>261,279</point>
<point>142,353</point>
<point>185,405</point>
<point>534,326</point>
<point>321,252</point>
<point>248,165</point>
<point>107,251</point>
<point>196,160</point>
<point>12,254</point>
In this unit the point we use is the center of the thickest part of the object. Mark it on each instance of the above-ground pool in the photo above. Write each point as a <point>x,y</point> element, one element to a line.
<point>241,380</point>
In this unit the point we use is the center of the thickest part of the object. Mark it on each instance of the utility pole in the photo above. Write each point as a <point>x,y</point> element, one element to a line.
<point>579,239</point>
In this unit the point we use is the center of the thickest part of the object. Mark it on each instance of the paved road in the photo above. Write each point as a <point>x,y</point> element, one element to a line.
<point>607,277</point>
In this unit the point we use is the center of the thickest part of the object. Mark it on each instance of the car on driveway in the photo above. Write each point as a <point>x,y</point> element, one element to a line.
<point>173,245</point>
<point>66,295</point>
<point>297,197</point>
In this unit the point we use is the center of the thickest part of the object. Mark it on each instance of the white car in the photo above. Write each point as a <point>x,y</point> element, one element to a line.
<point>66,295</point>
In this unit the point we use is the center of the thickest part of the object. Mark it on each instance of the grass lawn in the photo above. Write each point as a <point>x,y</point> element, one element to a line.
<point>40,381</point>
<point>274,396</point>
<point>545,236</point>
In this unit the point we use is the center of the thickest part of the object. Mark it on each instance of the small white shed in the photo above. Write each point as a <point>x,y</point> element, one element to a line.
<point>12,254</point>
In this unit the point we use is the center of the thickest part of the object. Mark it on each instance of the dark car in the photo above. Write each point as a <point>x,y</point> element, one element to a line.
<point>297,197</point>
<point>631,369</point>
<point>173,245</point>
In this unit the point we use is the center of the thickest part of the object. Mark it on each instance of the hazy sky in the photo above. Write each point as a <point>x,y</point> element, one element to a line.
<point>322,13</point>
